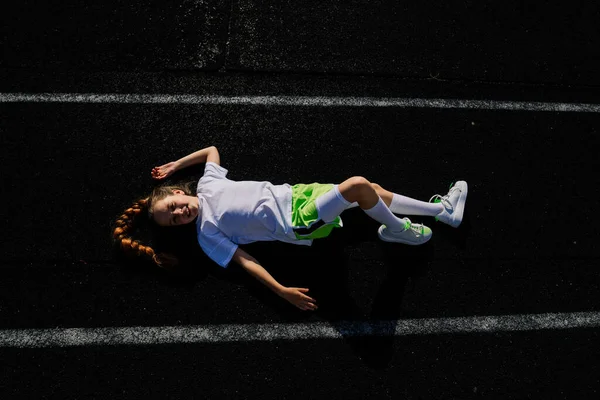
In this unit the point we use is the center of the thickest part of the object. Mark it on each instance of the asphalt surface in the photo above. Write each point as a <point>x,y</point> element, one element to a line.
<point>527,244</point>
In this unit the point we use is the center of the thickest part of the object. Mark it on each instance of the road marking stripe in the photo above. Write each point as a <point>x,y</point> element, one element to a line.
<point>299,101</point>
<point>70,337</point>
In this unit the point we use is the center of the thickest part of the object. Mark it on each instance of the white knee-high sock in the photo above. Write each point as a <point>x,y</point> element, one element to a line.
<point>381,213</point>
<point>407,206</point>
<point>331,204</point>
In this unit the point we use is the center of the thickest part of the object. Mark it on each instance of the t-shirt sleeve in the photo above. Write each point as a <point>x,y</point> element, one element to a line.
<point>214,171</point>
<point>217,247</point>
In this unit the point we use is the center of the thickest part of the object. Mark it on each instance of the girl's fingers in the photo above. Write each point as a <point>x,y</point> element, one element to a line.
<point>309,306</point>
<point>309,298</point>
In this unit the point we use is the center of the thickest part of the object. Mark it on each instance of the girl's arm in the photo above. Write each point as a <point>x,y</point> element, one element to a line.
<point>205,155</point>
<point>208,154</point>
<point>295,296</point>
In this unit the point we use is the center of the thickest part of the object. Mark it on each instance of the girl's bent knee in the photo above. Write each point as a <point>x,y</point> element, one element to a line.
<point>359,181</point>
<point>353,189</point>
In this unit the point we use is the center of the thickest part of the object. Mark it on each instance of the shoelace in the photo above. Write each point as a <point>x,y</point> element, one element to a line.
<point>417,228</point>
<point>441,199</point>
<point>444,199</point>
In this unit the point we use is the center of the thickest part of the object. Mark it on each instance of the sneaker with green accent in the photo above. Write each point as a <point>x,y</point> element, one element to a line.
<point>413,234</point>
<point>454,204</point>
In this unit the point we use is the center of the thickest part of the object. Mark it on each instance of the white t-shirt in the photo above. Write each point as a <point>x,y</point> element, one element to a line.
<point>234,213</point>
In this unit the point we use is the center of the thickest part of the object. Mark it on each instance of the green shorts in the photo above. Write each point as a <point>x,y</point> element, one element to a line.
<point>305,216</point>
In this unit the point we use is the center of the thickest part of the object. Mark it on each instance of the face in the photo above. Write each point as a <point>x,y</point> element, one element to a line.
<point>177,209</point>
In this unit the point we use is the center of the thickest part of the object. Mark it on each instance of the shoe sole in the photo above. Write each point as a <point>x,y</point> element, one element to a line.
<point>460,206</point>
<point>397,240</point>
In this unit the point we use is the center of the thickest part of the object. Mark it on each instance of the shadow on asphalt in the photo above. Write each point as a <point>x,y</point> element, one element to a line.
<point>324,268</point>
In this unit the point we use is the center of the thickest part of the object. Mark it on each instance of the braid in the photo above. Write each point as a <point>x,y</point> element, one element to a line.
<point>133,248</point>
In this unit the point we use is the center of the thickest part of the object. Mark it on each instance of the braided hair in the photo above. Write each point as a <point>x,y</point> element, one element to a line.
<point>140,210</point>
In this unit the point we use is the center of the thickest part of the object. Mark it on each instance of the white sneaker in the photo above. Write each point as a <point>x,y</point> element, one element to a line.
<point>413,234</point>
<point>454,204</point>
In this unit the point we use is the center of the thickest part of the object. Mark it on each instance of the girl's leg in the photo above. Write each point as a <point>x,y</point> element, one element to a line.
<point>358,189</point>
<point>380,205</point>
<point>400,204</point>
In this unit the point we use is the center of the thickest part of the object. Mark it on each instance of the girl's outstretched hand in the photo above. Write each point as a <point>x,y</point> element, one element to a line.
<point>163,171</point>
<point>297,297</point>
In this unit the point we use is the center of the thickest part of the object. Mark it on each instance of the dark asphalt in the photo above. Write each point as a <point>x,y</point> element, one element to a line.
<point>533,365</point>
<point>528,243</point>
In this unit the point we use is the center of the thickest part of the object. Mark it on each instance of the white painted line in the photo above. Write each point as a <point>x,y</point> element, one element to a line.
<point>298,101</point>
<point>70,337</point>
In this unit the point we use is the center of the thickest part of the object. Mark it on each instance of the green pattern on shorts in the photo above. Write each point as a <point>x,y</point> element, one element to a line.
<point>304,210</point>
